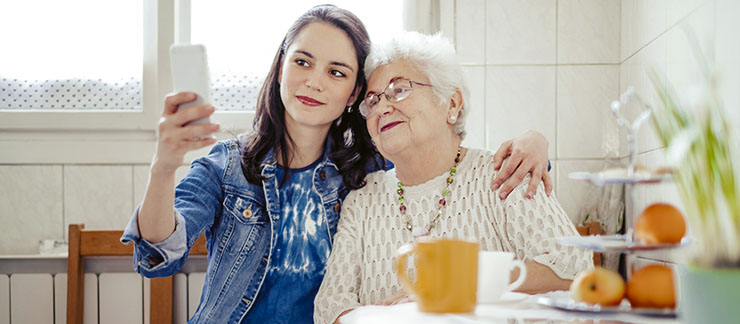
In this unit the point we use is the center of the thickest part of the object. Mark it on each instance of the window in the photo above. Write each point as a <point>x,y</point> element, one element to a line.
<point>72,55</point>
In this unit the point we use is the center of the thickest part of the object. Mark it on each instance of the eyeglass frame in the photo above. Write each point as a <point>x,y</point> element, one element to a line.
<point>365,110</point>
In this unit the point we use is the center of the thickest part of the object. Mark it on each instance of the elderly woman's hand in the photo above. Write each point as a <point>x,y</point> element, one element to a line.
<point>397,298</point>
<point>528,154</point>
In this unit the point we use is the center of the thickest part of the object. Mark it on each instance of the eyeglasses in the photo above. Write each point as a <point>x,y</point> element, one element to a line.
<point>396,91</point>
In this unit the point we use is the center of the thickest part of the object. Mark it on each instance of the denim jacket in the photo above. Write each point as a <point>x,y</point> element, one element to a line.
<point>240,220</point>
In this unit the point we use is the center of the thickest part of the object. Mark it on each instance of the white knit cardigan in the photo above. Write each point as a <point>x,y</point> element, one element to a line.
<point>371,229</point>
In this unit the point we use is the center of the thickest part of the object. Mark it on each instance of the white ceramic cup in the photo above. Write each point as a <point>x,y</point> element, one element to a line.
<point>494,274</point>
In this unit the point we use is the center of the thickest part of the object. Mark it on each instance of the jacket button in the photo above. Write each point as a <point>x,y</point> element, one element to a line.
<point>247,213</point>
<point>336,207</point>
<point>322,174</point>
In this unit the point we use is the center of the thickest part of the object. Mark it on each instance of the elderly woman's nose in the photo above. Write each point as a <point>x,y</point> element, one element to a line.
<point>384,107</point>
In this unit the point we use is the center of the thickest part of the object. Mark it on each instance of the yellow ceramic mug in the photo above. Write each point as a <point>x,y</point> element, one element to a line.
<point>446,274</point>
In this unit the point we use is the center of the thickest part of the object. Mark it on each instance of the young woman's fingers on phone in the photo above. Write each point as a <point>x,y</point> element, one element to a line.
<point>185,116</point>
<point>172,101</point>
<point>193,132</point>
<point>198,142</point>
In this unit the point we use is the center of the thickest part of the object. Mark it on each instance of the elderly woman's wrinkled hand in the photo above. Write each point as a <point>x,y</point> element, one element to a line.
<point>395,299</point>
<point>528,154</point>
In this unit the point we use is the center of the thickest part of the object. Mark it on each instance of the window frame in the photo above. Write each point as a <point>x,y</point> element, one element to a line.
<point>165,22</point>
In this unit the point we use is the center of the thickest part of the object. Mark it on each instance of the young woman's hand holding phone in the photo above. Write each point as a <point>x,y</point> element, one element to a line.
<point>176,136</point>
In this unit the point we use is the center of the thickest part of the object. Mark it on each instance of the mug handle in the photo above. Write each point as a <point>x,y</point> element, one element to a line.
<point>401,267</point>
<point>522,274</point>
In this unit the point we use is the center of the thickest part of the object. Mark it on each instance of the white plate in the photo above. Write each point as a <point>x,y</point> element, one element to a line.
<point>562,300</point>
<point>616,243</point>
<point>509,297</point>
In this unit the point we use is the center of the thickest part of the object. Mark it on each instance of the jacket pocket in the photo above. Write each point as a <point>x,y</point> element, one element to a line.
<point>245,221</point>
<point>244,210</point>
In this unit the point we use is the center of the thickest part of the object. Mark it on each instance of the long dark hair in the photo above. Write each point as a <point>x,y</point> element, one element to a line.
<point>351,147</point>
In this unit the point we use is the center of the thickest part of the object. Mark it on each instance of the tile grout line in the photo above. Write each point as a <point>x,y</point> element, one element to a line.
<point>557,70</point>
<point>485,74</point>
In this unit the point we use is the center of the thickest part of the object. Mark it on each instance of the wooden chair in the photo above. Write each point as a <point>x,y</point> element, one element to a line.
<point>84,243</point>
<point>592,228</point>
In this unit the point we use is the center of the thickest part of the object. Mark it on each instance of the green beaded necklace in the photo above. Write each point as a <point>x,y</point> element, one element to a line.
<point>417,232</point>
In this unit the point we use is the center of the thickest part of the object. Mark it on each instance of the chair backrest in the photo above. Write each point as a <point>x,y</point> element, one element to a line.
<point>84,243</point>
<point>592,228</point>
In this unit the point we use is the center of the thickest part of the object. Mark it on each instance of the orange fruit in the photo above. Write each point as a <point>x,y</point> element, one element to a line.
<point>598,286</point>
<point>652,287</point>
<point>660,223</point>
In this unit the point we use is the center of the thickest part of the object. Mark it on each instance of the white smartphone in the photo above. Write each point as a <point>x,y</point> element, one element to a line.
<point>189,65</point>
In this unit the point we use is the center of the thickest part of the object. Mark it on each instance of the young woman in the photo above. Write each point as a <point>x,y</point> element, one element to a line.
<point>269,201</point>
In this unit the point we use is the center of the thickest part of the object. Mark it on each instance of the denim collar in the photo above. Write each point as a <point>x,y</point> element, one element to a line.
<point>269,163</point>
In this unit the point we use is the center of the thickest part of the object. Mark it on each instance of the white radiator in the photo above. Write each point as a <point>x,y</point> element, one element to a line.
<point>118,297</point>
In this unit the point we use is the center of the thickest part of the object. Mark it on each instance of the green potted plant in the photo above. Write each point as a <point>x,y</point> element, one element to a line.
<point>698,138</point>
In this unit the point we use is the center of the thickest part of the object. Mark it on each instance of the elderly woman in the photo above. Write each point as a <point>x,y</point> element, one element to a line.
<point>415,110</point>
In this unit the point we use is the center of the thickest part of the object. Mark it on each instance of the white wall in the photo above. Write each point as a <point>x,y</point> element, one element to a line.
<point>548,65</point>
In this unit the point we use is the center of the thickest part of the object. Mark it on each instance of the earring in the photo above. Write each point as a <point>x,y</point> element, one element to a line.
<point>453,118</point>
<point>349,109</point>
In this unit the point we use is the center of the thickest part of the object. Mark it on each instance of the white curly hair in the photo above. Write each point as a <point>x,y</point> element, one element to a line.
<point>433,55</point>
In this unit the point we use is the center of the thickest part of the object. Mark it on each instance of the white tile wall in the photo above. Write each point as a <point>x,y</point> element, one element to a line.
<point>585,125</point>
<point>141,178</point>
<point>574,194</point>
<point>588,31</point>
<point>520,32</point>
<point>642,21</point>
<point>653,58</point>
<point>519,98</point>
<point>727,54</point>
<point>475,122</point>
<point>682,68</point>
<point>470,31</point>
<point>101,197</point>
<point>677,10</point>
<point>30,207</point>
<point>634,72</point>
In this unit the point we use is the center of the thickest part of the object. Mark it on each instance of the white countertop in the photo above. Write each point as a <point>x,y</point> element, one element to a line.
<point>515,306</point>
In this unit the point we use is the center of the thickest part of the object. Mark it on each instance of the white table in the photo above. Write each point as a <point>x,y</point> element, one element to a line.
<point>516,308</point>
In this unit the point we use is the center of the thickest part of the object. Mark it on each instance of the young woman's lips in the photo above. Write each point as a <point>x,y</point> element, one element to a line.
<point>389,126</point>
<point>308,101</point>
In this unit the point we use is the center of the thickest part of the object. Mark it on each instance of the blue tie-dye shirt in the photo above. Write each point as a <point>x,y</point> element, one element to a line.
<point>301,253</point>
